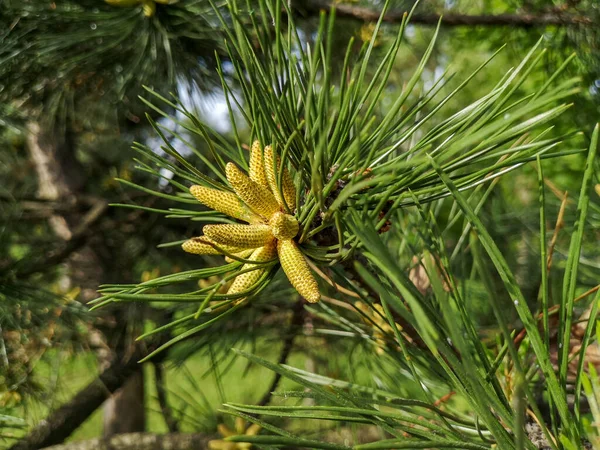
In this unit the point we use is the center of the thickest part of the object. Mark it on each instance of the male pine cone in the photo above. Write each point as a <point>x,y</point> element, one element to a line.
<point>271,228</point>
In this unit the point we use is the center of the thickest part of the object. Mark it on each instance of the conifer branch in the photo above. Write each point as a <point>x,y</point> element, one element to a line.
<point>61,423</point>
<point>161,393</point>
<point>78,239</point>
<point>141,441</point>
<point>296,323</point>
<point>523,20</point>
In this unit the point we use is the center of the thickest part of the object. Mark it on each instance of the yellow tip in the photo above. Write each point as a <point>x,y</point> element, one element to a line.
<point>201,246</point>
<point>288,191</point>
<point>239,235</point>
<point>296,269</point>
<point>225,431</point>
<point>253,429</point>
<point>257,197</point>
<point>149,8</point>
<point>225,202</point>
<point>246,280</point>
<point>240,425</point>
<point>257,167</point>
<point>284,226</point>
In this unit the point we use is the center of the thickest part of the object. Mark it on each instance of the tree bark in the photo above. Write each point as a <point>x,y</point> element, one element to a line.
<point>523,20</point>
<point>141,441</point>
<point>45,148</point>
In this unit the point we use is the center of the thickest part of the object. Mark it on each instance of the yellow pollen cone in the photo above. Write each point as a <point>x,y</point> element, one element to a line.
<point>296,269</point>
<point>253,429</point>
<point>284,226</point>
<point>238,235</point>
<point>225,202</point>
<point>225,431</point>
<point>123,2</point>
<point>200,246</point>
<point>287,184</point>
<point>257,167</point>
<point>243,254</point>
<point>240,425</point>
<point>149,8</point>
<point>257,197</point>
<point>245,281</point>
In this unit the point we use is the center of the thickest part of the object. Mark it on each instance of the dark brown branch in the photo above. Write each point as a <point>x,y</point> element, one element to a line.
<point>141,441</point>
<point>523,20</point>
<point>295,324</point>
<point>161,391</point>
<point>61,423</point>
<point>78,239</point>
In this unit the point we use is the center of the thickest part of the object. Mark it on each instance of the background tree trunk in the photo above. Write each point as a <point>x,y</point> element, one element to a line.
<point>52,179</point>
<point>61,178</point>
<point>124,411</point>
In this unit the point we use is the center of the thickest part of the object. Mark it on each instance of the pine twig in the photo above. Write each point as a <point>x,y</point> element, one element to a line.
<point>78,239</point>
<point>159,374</point>
<point>288,344</point>
<point>62,422</point>
<point>141,441</point>
<point>523,20</point>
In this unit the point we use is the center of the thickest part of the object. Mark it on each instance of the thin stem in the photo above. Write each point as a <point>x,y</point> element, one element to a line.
<point>161,391</point>
<point>295,324</point>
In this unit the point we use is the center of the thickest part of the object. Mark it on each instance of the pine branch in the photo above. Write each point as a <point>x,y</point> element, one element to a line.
<point>288,344</point>
<point>524,20</point>
<point>78,239</point>
<point>161,391</point>
<point>141,441</point>
<point>61,423</point>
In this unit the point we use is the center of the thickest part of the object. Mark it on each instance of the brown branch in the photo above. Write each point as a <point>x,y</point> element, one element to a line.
<point>61,423</point>
<point>141,441</point>
<point>296,322</point>
<point>78,239</point>
<point>161,392</point>
<point>523,20</point>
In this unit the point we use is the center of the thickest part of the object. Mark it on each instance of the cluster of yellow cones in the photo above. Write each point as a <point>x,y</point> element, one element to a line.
<point>270,227</point>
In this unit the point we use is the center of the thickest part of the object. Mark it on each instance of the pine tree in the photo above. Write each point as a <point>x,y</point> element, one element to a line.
<point>345,174</point>
<point>368,193</point>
